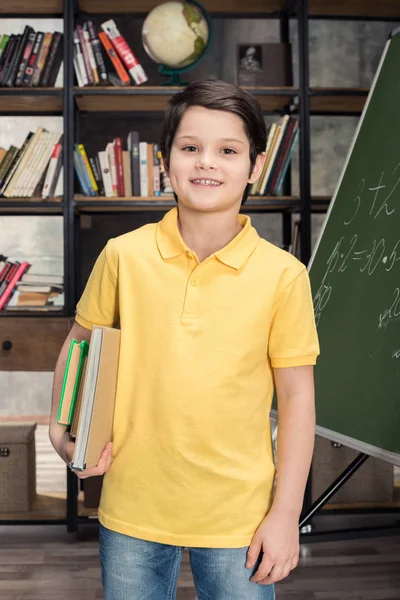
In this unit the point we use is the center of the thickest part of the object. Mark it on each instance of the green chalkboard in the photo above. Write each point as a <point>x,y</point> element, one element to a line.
<point>355,279</point>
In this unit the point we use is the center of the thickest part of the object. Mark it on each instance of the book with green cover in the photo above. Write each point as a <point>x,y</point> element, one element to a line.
<point>77,355</point>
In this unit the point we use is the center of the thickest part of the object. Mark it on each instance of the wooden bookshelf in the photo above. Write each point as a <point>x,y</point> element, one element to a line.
<point>155,98</point>
<point>34,206</point>
<point>31,100</point>
<point>270,7</point>
<point>338,100</point>
<point>355,8</point>
<point>85,204</point>
<point>39,7</point>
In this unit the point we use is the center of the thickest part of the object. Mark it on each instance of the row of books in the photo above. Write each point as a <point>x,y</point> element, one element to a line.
<point>117,173</point>
<point>104,57</point>
<point>21,290</point>
<point>35,168</point>
<point>30,59</point>
<point>282,138</point>
<point>87,399</point>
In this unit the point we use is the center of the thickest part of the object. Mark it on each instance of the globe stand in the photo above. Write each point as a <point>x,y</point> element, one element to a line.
<point>174,76</point>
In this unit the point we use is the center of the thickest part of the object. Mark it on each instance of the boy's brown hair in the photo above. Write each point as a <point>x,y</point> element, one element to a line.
<point>217,95</point>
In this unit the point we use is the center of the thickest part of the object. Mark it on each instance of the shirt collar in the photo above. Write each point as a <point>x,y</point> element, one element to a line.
<point>170,243</point>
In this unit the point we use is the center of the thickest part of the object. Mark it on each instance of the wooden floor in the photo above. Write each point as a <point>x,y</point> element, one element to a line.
<point>46,563</point>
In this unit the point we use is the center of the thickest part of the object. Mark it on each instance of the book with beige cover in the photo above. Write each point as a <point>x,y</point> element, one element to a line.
<point>93,419</point>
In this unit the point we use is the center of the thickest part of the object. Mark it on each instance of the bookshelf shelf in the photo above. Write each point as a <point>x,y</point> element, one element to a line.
<point>252,7</point>
<point>24,206</point>
<point>31,100</point>
<point>155,99</point>
<point>83,204</point>
<point>36,7</point>
<point>337,101</point>
<point>384,9</point>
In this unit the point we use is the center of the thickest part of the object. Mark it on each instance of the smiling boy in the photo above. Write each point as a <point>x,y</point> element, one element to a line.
<point>211,316</point>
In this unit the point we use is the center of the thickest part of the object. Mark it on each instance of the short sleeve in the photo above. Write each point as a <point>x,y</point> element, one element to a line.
<point>99,302</point>
<point>293,340</point>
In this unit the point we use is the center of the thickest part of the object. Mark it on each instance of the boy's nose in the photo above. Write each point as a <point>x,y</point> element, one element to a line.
<point>206,163</point>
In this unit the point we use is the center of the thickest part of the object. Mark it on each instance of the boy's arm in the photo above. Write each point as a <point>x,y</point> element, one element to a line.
<point>296,435</point>
<point>59,437</point>
<point>278,534</point>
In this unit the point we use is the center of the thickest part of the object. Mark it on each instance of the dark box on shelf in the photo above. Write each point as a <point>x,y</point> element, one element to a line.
<point>17,466</point>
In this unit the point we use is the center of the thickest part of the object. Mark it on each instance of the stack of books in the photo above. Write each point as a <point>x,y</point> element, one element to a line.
<point>35,169</point>
<point>104,57</point>
<point>31,59</point>
<point>118,173</point>
<point>21,290</point>
<point>87,398</point>
<point>282,138</point>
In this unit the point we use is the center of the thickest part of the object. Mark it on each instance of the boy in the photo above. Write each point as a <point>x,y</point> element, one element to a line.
<point>210,316</point>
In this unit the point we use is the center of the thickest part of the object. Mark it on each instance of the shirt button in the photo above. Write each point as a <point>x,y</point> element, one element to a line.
<point>190,255</point>
<point>194,282</point>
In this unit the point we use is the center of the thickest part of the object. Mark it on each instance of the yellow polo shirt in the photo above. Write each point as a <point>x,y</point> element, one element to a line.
<point>193,462</point>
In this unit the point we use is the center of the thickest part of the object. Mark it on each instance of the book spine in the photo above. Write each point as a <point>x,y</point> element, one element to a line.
<point>56,66</point>
<point>3,45</point>
<point>19,157</point>
<point>6,267</point>
<point>51,175</point>
<point>79,30</point>
<point>283,151</point>
<point>33,58</point>
<point>23,164</point>
<point>84,172</point>
<point>96,175</point>
<point>25,58</point>
<point>16,277</point>
<point>59,189</point>
<point>150,172</point>
<point>117,64</point>
<point>42,57</point>
<point>97,51</point>
<point>120,167</point>
<point>144,191</point>
<point>8,277</point>
<point>92,61</point>
<point>126,158</point>
<point>113,167</point>
<point>287,163</point>
<point>7,58</point>
<point>106,173</point>
<point>135,163</point>
<point>125,53</point>
<point>17,57</point>
<point>6,163</point>
<point>156,170</point>
<point>56,43</point>
<point>93,184</point>
<point>80,174</point>
<point>80,61</point>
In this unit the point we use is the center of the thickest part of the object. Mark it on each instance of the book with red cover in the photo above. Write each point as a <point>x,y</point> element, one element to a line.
<point>21,268</point>
<point>120,167</point>
<point>125,52</point>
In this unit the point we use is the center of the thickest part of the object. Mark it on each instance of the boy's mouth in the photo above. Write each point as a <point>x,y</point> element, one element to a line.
<point>206,182</point>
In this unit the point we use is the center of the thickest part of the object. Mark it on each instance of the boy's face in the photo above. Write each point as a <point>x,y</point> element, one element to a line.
<point>209,164</point>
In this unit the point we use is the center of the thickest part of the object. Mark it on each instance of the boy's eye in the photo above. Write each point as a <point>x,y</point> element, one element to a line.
<point>229,151</point>
<point>189,149</point>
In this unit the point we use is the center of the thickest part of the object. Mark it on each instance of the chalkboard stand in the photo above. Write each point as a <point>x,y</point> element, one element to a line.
<point>307,532</point>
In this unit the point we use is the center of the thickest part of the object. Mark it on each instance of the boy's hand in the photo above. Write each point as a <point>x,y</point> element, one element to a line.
<point>66,451</point>
<point>278,538</point>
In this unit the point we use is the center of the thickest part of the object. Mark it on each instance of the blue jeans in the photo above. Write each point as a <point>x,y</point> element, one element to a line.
<point>134,569</point>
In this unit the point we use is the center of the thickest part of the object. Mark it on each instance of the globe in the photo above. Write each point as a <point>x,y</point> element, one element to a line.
<point>176,35</point>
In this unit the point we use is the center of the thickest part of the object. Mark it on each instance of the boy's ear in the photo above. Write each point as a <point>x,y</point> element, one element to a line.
<point>258,167</point>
